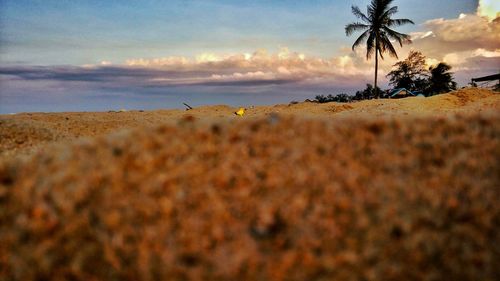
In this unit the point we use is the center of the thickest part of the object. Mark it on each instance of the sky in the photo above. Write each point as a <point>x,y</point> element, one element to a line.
<point>75,55</point>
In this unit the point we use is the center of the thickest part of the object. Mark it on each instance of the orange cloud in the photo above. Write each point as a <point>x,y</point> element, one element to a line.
<point>470,43</point>
<point>467,31</point>
<point>260,65</point>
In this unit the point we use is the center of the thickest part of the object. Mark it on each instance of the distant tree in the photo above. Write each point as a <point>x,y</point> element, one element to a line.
<point>368,93</point>
<point>377,24</point>
<point>331,98</point>
<point>410,73</point>
<point>441,79</point>
<point>358,96</point>
<point>323,99</point>
<point>343,98</point>
<point>320,99</point>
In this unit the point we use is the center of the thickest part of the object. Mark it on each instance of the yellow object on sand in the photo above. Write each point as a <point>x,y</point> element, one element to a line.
<point>240,112</point>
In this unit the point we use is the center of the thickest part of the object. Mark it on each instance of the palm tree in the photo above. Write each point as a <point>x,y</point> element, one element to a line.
<point>441,80</point>
<point>377,24</point>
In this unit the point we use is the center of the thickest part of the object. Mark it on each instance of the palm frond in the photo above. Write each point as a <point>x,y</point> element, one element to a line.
<point>389,12</point>
<point>387,2</point>
<point>353,27</point>
<point>398,22</point>
<point>360,39</point>
<point>372,10</point>
<point>357,12</point>
<point>370,46</point>
<point>379,7</point>
<point>387,46</point>
<point>373,14</point>
<point>381,50</point>
<point>400,37</point>
<point>397,38</point>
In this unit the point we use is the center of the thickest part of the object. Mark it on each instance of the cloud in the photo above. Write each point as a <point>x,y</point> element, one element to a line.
<point>468,32</point>
<point>255,69</point>
<point>470,43</point>
<point>77,74</point>
<point>284,62</point>
<point>248,70</point>
<point>465,32</point>
<point>421,35</point>
<point>489,9</point>
<point>478,60</point>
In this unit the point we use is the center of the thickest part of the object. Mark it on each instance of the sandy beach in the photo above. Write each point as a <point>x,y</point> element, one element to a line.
<point>374,190</point>
<point>24,133</point>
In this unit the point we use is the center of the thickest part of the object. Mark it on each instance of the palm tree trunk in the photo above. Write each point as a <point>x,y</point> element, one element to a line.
<point>376,72</point>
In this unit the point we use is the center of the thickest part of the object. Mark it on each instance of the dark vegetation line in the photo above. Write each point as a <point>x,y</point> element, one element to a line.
<point>411,74</point>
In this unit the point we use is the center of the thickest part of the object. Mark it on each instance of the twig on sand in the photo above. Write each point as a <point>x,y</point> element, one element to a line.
<point>187,105</point>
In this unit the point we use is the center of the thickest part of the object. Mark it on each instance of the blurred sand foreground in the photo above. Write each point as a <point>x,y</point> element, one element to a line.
<point>376,190</point>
